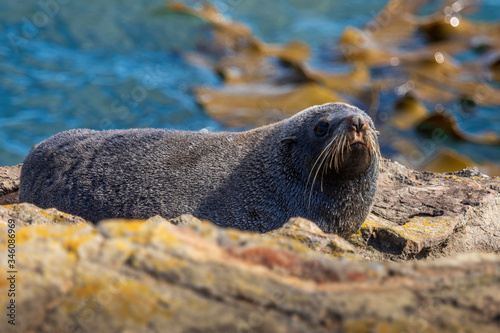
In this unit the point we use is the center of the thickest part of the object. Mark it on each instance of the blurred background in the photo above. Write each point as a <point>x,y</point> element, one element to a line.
<point>427,72</point>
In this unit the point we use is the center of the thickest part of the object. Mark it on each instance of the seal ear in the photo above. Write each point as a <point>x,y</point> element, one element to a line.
<point>288,145</point>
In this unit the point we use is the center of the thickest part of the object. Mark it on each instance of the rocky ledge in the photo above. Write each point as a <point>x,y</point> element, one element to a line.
<point>187,275</point>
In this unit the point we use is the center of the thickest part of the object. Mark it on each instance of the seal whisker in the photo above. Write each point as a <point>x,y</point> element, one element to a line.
<point>314,165</point>
<point>312,170</point>
<point>325,150</point>
<point>333,149</point>
<point>325,161</point>
<point>336,154</point>
<point>374,151</point>
<point>328,156</point>
<point>322,167</point>
<point>322,156</point>
<point>339,153</point>
<point>332,154</point>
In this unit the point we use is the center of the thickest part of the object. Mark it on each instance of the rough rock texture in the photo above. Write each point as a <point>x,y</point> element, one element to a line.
<point>28,214</point>
<point>153,276</point>
<point>309,234</point>
<point>9,184</point>
<point>187,275</point>
<point>424,214</point>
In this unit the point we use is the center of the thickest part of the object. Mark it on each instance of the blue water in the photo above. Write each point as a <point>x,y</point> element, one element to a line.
<point>116,64</point>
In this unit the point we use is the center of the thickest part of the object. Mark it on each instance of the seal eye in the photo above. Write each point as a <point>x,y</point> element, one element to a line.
<point>321,129</point>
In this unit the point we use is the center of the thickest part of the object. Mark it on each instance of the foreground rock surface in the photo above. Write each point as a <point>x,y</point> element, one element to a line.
<point>136,276</point>
<point>188,275</point>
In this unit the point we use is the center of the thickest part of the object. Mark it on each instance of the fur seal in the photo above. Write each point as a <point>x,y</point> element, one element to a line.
<point>321,164</point>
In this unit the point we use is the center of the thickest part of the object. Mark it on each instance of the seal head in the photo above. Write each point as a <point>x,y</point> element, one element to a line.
<point>336,150</point>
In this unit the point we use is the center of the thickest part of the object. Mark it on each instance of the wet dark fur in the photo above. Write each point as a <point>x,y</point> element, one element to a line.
<point>254,180</point>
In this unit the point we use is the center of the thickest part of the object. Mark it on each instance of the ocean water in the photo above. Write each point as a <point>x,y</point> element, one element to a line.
<point>117,64</point>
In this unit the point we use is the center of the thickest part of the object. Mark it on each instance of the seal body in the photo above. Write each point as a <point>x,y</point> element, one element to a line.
<point>321,164</point>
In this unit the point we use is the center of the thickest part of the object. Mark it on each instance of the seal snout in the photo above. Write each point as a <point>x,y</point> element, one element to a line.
<point>357,130</point>
<point>358,124</point>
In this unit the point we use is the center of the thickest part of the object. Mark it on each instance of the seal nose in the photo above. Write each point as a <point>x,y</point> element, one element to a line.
<point>358,124</point>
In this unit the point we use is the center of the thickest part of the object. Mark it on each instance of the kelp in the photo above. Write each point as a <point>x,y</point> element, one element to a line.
<point>445,159</point>
<point>450,125</point>
<point>234,106</point>
<point>422,55</point>
<point>408,112</point>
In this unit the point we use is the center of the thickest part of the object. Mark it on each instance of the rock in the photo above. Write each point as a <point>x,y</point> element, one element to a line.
<point>424,214</point>
<point>309,234</point>
<point>9,184</point>
<point>147,276</point>
<point>10,198</point>
<point>28,214</point>
<point>9,179</point>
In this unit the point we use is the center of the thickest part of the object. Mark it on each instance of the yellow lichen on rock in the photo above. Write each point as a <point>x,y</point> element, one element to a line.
<point>425,227</point>
<point>119,297</point>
